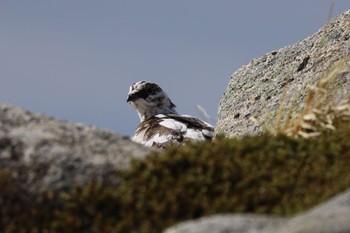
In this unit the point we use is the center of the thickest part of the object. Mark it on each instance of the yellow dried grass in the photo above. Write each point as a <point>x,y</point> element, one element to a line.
<point>317,113</point>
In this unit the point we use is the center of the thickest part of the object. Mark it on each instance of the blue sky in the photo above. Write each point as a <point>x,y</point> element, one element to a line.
<point>75,59</point>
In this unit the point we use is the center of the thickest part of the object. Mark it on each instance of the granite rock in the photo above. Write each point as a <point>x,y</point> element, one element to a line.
<point>255,90</point>
<point>49,154</point>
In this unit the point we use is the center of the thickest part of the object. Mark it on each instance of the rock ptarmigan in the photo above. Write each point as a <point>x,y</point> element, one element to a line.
<point>160,124</point>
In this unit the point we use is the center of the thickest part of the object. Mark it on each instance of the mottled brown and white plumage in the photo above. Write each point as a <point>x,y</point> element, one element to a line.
<point>160,124</point>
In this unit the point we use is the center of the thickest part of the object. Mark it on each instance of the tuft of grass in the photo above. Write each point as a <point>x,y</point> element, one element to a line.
<point>319,110</point>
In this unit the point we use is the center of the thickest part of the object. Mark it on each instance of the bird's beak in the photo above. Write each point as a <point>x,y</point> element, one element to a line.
<point>131,98</point>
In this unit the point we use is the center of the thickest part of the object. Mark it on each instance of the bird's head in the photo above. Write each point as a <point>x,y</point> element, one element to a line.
<point>149,100</point>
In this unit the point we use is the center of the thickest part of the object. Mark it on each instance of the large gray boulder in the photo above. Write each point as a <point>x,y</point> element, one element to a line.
<point>255,90</point>
<point>49,154</point>
<point>331,217</point>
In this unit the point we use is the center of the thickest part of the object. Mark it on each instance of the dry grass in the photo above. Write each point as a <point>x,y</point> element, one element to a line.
<point>318,112</point>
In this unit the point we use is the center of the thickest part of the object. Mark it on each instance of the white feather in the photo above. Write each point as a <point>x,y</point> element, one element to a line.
<point>156,139</point>
<point>173,125</point>
<point>208,133</point>
<point>195,134</point>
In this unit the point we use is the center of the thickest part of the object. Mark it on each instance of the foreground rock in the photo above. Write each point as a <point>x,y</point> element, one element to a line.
<point>331,217</point>
<point>228,224</point>
<point>255,90</point>
<point>45,153</point>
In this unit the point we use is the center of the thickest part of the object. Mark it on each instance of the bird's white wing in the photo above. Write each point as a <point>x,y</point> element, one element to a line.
<point>162,130</point>
<point>173,124</point>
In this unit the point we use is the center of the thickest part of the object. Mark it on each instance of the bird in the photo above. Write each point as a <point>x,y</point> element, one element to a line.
<point>160,124</point>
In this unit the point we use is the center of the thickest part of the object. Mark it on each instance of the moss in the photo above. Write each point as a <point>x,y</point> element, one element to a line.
<point>261,174</point>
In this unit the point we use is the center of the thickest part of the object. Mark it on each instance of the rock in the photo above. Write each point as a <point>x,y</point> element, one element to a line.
<point>255,90</point>
<point>331,217</point>
<point>228,224</point>
<point>49,154</point>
